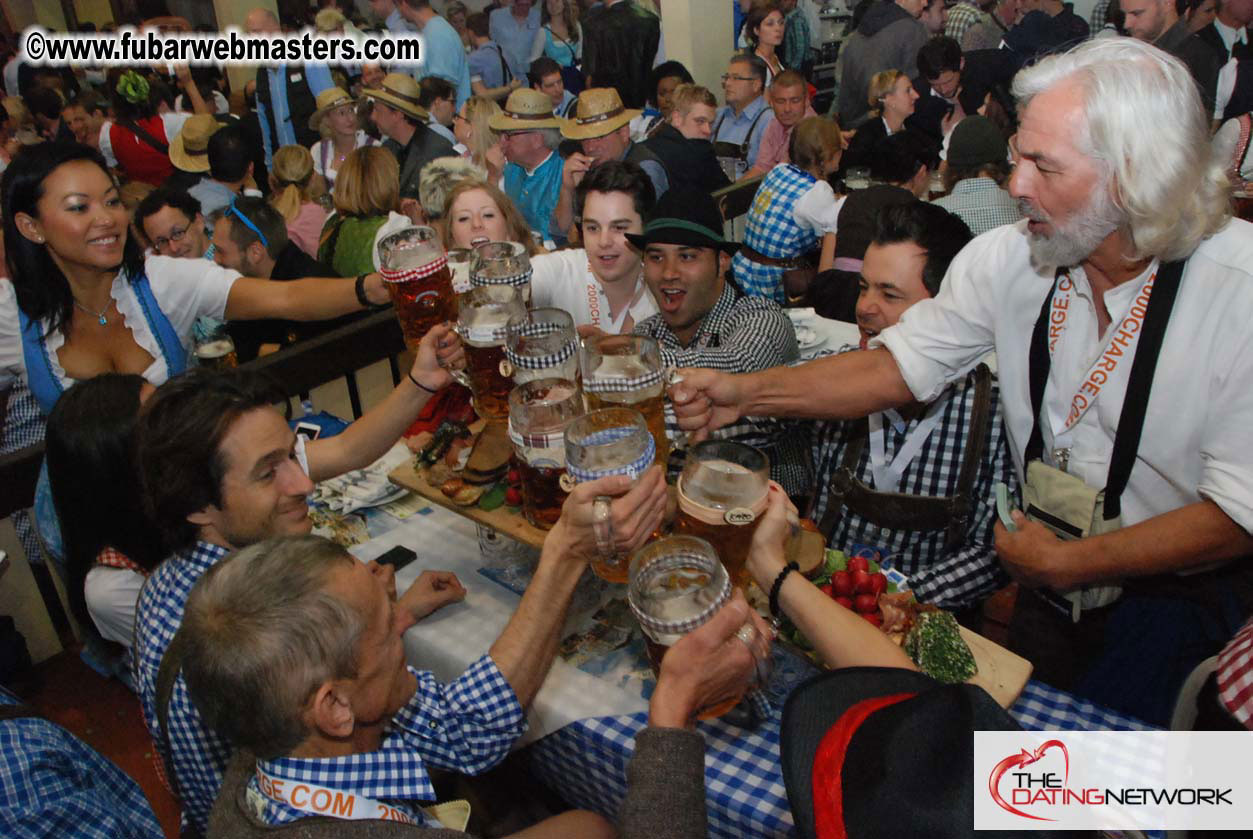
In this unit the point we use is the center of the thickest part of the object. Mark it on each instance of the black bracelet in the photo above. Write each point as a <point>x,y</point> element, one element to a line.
<point>360,289</point>
<point>419,384</point>
<point>778,584</point>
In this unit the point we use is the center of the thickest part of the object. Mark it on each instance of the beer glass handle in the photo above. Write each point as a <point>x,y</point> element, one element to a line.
<point>461,377</point>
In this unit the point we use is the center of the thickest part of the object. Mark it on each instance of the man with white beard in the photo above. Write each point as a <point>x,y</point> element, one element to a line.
<point>1138,481</point>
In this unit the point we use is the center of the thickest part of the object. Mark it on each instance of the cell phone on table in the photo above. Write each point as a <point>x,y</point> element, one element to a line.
<point>398,557</point>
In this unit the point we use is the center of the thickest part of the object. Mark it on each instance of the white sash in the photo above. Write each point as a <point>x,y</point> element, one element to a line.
<point>596,293</point>
<point>324,801</point>
<point>887,476</point>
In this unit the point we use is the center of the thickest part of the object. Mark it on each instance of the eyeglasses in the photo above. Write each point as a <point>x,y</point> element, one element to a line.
<point>232,209</point>
<point>457,116</point>
<point>162,242</point>
<point>726,76</point>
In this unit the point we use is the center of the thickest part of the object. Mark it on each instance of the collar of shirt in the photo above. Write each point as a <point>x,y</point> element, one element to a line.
<point>710,325</point>
<point>531,172</point>
<point>1230,35</point>
<point>972,185</point>
<point>391,774</point>
<point>750,112</point>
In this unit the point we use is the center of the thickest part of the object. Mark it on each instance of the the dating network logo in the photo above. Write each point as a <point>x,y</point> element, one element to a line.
<point>1025,780</point>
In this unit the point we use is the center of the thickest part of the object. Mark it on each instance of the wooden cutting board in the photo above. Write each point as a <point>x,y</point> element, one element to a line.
<point>502,519</point>
<point>1001,673</point>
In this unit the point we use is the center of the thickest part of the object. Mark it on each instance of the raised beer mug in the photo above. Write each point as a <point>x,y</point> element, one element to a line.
<point>674,586</point>
<point>723,492</point>
<point>613,441</point>
<point>502,263</point>
<point>482,324</point>
<point>539,412</point>
<point>459,260</point>
<point>543,344</point>
<point>416,275</point>
<point>627,370</point>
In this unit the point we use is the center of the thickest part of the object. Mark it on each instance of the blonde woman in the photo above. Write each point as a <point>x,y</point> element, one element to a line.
<point>367,191</point>
<point>891,96</point>
<point>471,128</point>
<point>336,119</point>
<point>294,191</point>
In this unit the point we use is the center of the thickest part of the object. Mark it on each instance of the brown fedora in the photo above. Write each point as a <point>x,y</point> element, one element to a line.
<point>526,109</point>
<point>189,151</point>
<point>328,100</point>
<point>400,92</point>
<point>597,112</point>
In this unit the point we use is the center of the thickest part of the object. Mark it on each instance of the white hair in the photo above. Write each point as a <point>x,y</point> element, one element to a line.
<point>1145,127</point>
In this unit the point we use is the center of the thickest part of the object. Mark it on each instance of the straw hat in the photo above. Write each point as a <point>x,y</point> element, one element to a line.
<point>328,100</point>
<point>400,92</point>
<point>189,151</point>
<point>525,110</point>
<point>597,112</point>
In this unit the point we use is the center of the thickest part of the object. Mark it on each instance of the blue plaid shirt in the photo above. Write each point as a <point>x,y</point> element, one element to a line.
<point>52,784</point>
<point>199,755</point>
<point>467,725</point>
<point>773,231</point>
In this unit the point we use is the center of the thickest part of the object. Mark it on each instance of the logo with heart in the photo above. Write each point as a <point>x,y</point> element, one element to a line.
<point>1024,758</point>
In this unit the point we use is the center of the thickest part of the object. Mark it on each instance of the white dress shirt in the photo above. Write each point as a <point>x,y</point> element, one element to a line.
<point>1195,442</point>
<point>564,280</point>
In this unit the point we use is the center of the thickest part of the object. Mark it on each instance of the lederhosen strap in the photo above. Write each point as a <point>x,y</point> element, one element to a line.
<point>739,151</point>
<point>1140,381</point>
<point>139,131</point>
<point>902,511</point>
<point>504,68</point>
<point>17,712</point>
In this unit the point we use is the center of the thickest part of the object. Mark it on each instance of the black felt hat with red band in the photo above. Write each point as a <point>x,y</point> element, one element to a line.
<point>883,753</point>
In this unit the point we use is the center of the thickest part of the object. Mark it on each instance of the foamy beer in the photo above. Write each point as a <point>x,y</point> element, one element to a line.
<point>675,585</point>
<point>626,371</point>
<point>539,412</point>
<point>482,324</point>
<point>723,492</point>
<point>416,274</point>
<point>614,441</point>
<point>543,344</point>
<point>502,263</point>
<point>217,353</point>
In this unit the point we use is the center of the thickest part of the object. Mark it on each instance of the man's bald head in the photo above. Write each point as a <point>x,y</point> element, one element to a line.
<point>261,21</point>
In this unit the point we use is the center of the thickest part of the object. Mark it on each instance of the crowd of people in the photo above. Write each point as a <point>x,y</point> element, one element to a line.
<point>987,178</point>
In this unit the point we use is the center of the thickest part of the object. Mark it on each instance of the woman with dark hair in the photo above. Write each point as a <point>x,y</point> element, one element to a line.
<point>109,544</point>
<point>83,300</point>
<point>662,81</point>
<point>137,140</point>
<point>765,29</point>
<point>560,37</point>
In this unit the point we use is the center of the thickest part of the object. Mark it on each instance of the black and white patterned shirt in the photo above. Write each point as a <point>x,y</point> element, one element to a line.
<point>949,579</point>
<point>740,334</point>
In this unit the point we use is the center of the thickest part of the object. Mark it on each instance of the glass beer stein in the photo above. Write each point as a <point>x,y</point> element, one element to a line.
<point>416,274</point>
<point>626,371</point>
<point>459,260</point>
<point>542,344</point>
<point>723,493</point>
<point>482,324</point>
<point>675,585</point>
<point>614,441</point>
<point>502,263</point>
<point>539,412</point>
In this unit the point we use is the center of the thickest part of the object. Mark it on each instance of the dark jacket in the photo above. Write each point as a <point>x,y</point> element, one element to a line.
<point>249,335</point>
<point>424,146</point>
<point>1202,61</point>
<point>690,164</point>
<point>888,38</point>
<point>1074,27</point>
<point>1209,36</point>
<point>665,799</point>
<point>300,104</point>
<point>619,45</point>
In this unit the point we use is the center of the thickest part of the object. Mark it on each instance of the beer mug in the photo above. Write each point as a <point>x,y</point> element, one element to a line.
<point>482,324</point>
<point>416,274</point>
<point>723,492</point>
<point>626,370</point>
<point>539,412</point>
<point>216,350</point>
<point>675,585</point>
<point>542,344</point>
<point>459,260</point>
<point>613,441</point>
<point>502,263</point>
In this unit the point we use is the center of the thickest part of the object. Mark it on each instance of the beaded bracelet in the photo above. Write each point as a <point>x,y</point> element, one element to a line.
<point>778,584</point>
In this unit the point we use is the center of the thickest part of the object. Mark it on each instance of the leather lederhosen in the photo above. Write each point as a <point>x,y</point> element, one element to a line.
<point>901,511</point>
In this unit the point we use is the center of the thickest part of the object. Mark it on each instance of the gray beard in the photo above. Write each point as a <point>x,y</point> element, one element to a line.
<point>1075,240</point>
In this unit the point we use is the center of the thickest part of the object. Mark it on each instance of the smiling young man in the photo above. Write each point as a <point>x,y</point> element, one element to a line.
<point>172,223</point>
<point>943,456</point>
<point>221,469</point>
<point>706,320</point>
<point>601,284</point>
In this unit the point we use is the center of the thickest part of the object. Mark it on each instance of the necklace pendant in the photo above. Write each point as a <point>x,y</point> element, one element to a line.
<point>104,321</point>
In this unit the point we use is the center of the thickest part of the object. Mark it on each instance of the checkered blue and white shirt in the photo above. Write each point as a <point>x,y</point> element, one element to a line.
<point>24,425</point>
<point>947,579</point>
<point>740,334</point>
<point>467,725</point>
<point>53,784</point>
<point>981,204</point>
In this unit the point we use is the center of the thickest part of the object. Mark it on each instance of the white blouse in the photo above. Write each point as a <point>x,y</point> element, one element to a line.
<point>324,147</point>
